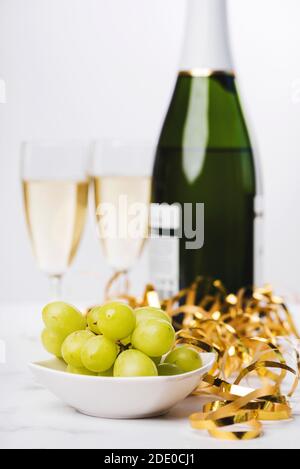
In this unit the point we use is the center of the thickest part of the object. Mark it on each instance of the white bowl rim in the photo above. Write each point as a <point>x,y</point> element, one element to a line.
<point>41,366</point>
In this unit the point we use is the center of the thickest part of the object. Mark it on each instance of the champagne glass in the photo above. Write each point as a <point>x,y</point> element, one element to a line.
<point>121,173</point>
<point>55,190</point>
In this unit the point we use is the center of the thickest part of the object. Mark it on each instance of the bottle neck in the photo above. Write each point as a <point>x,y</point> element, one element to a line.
<point>206,45</point>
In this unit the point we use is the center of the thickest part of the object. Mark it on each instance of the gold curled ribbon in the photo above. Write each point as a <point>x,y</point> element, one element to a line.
<point>242,329</point>
<point>262,404</point>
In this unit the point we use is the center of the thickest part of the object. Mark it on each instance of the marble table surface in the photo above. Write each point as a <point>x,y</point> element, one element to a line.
<point>31,417</point>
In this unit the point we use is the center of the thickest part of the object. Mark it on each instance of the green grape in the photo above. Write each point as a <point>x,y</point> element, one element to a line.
<point>153,337</point>
<point>72,346</point>
<point>80,371</point>
<point>186,358</point>
<point>99,354</point>
<point>156,360</point>
<point>108,374</point>
<point>52,342</point>
<point>167,369</point>
<point>134,363</point>
<point>116,320</point>
<point>63,318</point>
<point>149,312</point>
<point>92,320</point>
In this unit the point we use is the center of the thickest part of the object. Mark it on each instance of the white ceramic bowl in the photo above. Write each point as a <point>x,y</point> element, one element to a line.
<point>119,398</point>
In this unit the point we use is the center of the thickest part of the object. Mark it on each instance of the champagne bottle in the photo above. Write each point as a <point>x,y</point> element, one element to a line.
<point>204,156</point>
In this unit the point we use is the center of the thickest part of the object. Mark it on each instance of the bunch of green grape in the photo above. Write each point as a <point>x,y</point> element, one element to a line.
<point>115,340</point>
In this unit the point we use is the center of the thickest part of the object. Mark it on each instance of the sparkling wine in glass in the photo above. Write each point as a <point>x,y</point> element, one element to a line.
<point>122,191</point>
<point>55,189</point>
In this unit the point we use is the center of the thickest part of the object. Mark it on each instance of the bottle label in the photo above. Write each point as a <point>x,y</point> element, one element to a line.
<point>164,249</point>
<point>166,231</point>
<point>164,265</point>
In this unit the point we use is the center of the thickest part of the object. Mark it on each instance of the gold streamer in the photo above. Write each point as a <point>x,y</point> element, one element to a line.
<point>242,330</point>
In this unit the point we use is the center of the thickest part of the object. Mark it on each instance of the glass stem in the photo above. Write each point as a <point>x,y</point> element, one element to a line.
<point>118,285</point>
<point>124,283</point>
<point>56,287</point>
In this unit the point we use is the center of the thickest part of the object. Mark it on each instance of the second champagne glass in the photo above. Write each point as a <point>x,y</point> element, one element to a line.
<point>122,190</point>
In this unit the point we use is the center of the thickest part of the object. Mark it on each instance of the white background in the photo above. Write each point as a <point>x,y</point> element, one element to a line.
<point>99,68</point>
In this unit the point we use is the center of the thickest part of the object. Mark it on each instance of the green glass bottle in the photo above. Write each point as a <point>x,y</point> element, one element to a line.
<point>204,156</point>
